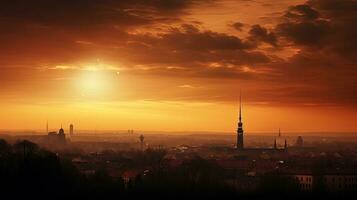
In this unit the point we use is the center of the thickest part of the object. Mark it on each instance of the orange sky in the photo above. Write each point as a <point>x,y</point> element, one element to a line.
<point>179,65</point>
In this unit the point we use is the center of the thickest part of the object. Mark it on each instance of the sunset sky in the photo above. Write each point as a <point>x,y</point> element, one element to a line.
<point>179,65</point>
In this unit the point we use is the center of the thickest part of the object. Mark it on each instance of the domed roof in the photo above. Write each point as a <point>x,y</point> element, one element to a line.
<point>61,131</point>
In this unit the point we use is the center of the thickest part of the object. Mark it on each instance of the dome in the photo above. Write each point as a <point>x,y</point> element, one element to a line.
<point>61,131</point>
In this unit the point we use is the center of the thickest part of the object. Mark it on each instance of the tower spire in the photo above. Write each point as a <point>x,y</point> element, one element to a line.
<point>240,106</point>
<point>240,131</point>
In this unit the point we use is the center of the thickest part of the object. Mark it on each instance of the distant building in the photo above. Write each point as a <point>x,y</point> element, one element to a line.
<point>57,138</point>
<point>141,142</point>
<point>332,182</point>
<point>71,130</point>
<point>299,142</point>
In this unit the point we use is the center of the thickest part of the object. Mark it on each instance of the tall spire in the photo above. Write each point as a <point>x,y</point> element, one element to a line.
<point>240,131</point>
<point>240,107</point>
<point>279,133</point>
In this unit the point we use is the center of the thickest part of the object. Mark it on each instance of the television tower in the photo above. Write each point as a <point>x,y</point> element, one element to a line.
<point>240,144</point>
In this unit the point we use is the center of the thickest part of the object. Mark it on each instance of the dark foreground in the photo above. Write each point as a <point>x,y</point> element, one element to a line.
<point>27,171</point>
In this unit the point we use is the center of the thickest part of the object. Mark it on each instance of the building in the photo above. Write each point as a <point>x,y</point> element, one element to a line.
<point>299,142</point>
<point>54,138</point>
<point>71,130</point>
<point>240,132</point>
<point>331,181</point>
<point>240,137</point>
<point>141,138</point>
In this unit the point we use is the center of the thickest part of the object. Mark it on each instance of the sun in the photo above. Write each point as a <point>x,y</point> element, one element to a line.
<point>94,83</point>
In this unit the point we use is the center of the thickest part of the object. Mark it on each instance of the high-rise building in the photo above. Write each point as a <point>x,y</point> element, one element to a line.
<point>71,129</point>
<point>240,144</point>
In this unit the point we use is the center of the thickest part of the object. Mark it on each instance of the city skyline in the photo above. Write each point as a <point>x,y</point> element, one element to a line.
<point>224,99</point>
<point>179,65</point>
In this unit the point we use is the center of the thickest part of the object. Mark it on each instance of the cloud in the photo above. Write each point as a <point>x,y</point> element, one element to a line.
<point>238,26</point>
<point>326,25</point>
<point>187,86</point>
<point>324,66</point>
<point>190,38</point>
<point>81,13</point>
<point>302,13</point>
<point>159,38</point>
<point>260,34</point>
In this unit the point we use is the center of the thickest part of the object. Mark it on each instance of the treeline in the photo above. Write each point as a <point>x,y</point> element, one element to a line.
<point>26,170</point>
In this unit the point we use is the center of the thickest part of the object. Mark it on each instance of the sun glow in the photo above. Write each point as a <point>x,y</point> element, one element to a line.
<point>96,83</point>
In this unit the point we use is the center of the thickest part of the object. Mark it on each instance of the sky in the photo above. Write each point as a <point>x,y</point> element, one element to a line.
<point>179,65</point>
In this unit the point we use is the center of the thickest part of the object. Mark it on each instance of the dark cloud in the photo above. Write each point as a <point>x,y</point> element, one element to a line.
<point>261,34</point>
<point>195,52</point>
<point>327,25</point>
<point>190,38</point>
<point>325,67</point>
<point>305,33</point>
<point>90,12</point>
<point>238,26</point>
<point>189,44</point>
<point>48,31</point>
<point>302,12</point>
<point>303,26</point>
<point>339,9</point>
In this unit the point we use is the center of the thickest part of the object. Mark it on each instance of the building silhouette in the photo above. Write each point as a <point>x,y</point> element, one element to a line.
<point>240,137</point>
<point>278,141</point>
<point>57,138</point>
<point>71,130</point>
<point>240,132</point>
<point>141,142</point>
<point>299,142</point>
